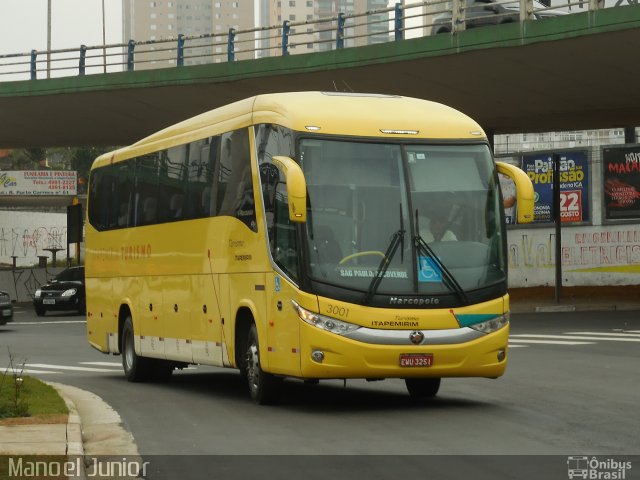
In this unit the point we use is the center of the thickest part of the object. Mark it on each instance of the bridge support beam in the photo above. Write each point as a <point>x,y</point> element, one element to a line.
<point>630,135</point>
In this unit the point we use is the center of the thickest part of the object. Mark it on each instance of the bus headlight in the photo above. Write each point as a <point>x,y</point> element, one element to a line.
<point>323,322</point>
<point>70,292</point>
<point>492,325</point>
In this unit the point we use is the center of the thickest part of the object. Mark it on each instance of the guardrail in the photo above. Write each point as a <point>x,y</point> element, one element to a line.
<point>323,34</point>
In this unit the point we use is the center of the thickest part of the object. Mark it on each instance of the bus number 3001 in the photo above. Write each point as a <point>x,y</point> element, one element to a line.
<point>337,310</point>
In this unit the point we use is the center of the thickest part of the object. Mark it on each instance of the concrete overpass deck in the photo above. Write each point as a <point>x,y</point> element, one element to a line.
<point>572,72</point>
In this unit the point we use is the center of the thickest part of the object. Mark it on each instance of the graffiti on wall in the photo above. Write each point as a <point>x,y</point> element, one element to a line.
<point>606,251</point>
<point>612,250</point>
<point>30,242</point>
<point>22,283</point>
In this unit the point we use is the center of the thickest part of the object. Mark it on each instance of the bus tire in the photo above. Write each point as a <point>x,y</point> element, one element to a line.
<point>136,368</point>
<point>420,388</point>
<point>264,388</point>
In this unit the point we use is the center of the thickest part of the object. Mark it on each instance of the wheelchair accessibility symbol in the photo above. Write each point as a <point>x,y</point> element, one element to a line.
<point>428,270</point>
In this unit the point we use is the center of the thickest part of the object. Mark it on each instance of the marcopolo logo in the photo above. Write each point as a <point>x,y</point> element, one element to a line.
<point>596,468</point>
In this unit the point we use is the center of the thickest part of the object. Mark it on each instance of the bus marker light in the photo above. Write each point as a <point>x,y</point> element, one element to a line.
<point>399,132</point>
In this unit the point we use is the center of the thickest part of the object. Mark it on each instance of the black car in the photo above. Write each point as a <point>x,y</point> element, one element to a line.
<point>6,308</point>
<point>64,292</point>
<point>479,13</point>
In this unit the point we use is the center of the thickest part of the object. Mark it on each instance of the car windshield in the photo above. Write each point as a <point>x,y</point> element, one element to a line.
<point>372,204</point>
<point>71,275</point>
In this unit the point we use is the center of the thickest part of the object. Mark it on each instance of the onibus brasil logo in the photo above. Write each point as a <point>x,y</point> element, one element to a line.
<point>597,469</point>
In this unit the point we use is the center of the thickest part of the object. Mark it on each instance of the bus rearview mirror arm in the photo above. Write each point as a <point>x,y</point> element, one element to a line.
<point>524,190</point>
<point>296,188</point>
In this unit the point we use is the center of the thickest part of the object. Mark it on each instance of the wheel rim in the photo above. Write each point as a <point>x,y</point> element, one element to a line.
<point>128,353</point>
<point>253,367</point>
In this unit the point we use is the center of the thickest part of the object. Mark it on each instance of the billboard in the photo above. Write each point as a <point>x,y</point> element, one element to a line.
<point>38,182</point>
<point>574,182</point>
<point>621,182</point>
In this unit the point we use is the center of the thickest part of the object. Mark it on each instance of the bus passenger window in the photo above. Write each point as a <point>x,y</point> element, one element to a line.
<point>234,188</point>
<point>175,206</point>
<point>149,211</point>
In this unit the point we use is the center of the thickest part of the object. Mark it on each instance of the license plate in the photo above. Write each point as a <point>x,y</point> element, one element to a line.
<point>6,313</point>
<point>416,359</point>
<point>49,301</point>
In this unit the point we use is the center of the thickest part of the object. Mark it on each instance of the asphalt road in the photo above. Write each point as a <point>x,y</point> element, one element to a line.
<point>572,388</point>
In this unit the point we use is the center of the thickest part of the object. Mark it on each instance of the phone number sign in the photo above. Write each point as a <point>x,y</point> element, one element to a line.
<point>38,182</point>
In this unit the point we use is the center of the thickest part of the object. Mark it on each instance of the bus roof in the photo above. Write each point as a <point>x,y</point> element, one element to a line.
<point>331,113</point>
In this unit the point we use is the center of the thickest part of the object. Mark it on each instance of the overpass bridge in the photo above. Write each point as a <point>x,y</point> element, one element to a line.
<point>574,71</point>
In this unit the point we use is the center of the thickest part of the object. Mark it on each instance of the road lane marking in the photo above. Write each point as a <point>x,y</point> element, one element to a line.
<point>65,367</point>
<point>613,334</point>
<point>517,346</point>
<point>549,342</point>
<point>577,337</point>
<point>49,323</point>
<point>102,364</point>
<point>37,372</point>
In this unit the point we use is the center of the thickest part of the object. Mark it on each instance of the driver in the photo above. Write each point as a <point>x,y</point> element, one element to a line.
<point>435,228</point>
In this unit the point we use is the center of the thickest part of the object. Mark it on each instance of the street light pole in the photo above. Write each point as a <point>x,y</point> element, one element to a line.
<point>104,41</point>
<point>48,38</point>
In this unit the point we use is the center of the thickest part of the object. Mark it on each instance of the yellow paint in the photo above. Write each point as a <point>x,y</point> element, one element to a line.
<point>612,268</point>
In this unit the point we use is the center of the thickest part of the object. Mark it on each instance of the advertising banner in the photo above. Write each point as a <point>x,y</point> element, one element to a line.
<point>574,182</point>
<point>621,182</point>
<point>38,182</point>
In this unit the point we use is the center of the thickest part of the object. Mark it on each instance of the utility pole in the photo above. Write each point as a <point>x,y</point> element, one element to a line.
<point>48,38</point>
<point>104,40</point>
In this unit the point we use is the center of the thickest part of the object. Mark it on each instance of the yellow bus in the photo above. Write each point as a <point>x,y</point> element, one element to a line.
<point>307,235</point>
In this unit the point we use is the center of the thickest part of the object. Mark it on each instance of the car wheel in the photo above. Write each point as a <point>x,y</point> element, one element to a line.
<point>264,388</point>
<point>136,368</point>
<point>40,311</point>
<point>420,388</point>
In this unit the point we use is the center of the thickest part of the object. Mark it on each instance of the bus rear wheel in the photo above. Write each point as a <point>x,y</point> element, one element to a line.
<point>136,368</point>
<point>420,388</point>
<point>264,388</point>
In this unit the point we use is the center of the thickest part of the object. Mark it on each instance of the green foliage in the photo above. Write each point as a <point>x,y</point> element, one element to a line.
<point>12,402</point>
<point>23,396</point>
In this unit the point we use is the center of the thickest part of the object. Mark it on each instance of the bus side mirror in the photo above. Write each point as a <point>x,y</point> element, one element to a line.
<point>296,188</point>
<point>524,190</point>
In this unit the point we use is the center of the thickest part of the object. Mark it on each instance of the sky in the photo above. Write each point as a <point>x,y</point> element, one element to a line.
<point>23,24</point>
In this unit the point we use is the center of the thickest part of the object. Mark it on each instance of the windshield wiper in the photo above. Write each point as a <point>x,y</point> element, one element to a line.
<point>397,239</point>
<point>447,276</point>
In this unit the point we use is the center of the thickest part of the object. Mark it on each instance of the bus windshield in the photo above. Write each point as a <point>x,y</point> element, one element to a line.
<point>424,218</point>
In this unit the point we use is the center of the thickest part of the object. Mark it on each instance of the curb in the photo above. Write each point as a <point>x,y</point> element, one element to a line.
<point>75,448</point>
<point>586,307</point>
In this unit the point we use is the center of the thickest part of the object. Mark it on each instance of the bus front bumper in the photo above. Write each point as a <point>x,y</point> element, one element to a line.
<point>327,355</point>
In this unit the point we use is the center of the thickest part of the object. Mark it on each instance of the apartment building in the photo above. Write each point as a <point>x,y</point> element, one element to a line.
<point>160,20</point>
<point>164,20</point>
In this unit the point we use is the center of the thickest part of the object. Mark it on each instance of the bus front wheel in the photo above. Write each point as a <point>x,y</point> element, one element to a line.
<point>136,368</point>
<point>264,388</point>
<point>422,387</point>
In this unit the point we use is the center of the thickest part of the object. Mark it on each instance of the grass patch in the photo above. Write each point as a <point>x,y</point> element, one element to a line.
<point>38,398</point>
